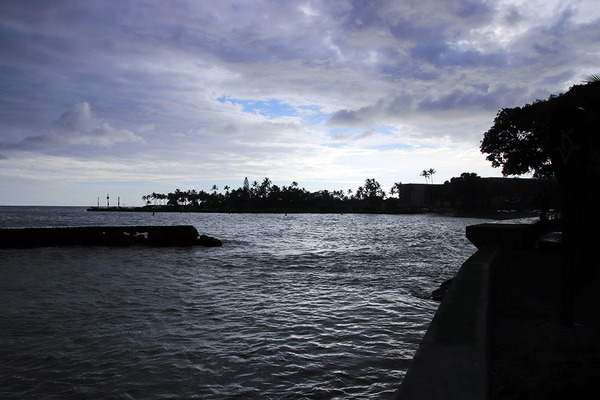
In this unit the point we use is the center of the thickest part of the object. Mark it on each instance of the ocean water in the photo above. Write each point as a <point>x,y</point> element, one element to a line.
<point>297,306</point>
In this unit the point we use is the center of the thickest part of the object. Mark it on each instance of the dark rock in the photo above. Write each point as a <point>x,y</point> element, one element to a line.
<point>438,294</point>
<point>116,238</point>
<point>180,235</point>
<point>208,241</point>
<point>168,236</point>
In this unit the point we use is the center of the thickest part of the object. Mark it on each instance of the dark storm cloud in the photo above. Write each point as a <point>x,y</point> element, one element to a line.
<point>455,43</point>
<point>474,98</point>
<point>90,50</point>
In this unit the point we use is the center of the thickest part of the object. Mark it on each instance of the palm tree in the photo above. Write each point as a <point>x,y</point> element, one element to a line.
<point>372,189</point>
<point>192,197</point>
<point>360,192</point>
<point>265,187</point>
<point>254,189</point>
<point>425,173</point>
<point>431,171</point>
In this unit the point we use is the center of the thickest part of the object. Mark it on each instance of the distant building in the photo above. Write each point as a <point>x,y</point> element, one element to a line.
<point>482,193</point>
<point>413,195</point>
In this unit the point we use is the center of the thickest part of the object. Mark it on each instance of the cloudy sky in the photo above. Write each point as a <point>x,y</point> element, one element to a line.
<point>130,97</point>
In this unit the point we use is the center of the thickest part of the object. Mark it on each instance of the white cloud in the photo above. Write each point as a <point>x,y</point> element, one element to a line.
<point>76,127</point>
<point>387,85</point>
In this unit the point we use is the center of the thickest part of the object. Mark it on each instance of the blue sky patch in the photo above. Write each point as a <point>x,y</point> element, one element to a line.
<point>273,108</point>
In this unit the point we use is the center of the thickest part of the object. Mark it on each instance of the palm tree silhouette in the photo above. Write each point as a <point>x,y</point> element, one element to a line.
<point>431,171</point>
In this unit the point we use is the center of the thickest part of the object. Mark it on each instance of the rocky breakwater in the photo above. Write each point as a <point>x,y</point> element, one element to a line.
<point>120,236</point>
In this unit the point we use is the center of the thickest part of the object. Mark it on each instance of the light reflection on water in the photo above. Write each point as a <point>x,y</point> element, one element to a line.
<point>303,305</point>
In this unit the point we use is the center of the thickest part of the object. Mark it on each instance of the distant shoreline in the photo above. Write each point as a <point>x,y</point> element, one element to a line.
<point>497,215</point>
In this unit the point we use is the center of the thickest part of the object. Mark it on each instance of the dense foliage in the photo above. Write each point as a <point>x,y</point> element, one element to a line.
<point>520,140</point>
<point>266,195</point>
<point>469,192</point>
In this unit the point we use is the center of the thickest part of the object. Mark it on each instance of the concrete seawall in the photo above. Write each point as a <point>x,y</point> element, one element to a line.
<point>453,359</point>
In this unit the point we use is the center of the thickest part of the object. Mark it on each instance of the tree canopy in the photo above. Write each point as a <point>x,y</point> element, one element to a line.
<point>520,140</point>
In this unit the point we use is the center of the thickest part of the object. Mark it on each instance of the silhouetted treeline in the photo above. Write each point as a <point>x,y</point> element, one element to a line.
<point>468,193</point>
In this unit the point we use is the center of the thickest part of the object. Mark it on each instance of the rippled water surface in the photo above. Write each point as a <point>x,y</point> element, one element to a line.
<point>292,306</point>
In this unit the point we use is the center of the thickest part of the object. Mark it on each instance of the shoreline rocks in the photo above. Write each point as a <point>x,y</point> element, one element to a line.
<point>438,294</point>
<point>113,236</point>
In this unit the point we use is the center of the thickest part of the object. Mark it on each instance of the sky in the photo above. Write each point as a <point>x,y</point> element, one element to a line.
<point>132,97</point>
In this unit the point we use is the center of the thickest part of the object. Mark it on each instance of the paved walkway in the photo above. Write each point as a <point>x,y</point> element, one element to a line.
<point>531,355</point>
